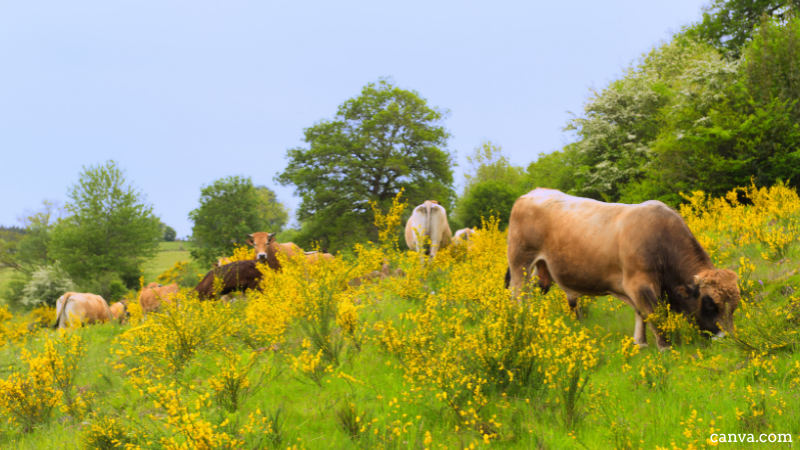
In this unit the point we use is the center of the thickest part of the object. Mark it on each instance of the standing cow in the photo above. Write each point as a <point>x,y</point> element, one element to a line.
<point>74,307</point>
<point>429,220</point>
<point>637,253</point>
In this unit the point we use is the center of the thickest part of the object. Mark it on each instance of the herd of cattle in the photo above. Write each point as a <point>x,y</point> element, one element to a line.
<point>640,254</point>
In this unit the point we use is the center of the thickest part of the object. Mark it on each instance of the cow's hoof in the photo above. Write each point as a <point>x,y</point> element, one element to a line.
<point>642,345</point>
<point>666,348</point>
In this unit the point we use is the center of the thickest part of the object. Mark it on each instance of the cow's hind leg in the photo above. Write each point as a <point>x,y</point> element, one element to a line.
<point>519,269</point>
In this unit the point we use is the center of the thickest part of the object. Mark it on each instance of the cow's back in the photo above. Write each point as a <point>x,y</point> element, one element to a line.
<point>90,308</point>
<point>587,244</point>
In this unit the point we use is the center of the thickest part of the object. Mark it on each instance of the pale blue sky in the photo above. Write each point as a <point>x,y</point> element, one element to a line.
<point>183,93</point>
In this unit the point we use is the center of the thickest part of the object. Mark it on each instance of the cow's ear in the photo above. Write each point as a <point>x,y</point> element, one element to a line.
<point>249,242</point>
<point>271,237</point>
<point>687,295</point>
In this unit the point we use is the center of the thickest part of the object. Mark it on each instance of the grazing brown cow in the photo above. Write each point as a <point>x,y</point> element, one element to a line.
<point>119,310</point>
<point>150,298</point>
<point>238,275</point>
<point>267,249</point>
<point>637,253</point>
<point>81,308</point>
<point>429,220</point>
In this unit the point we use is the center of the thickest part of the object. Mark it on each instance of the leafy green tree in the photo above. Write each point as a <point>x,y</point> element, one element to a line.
<point>489,163</point>
<point>110,230</point>
<point>488,198</point>
<point>556,170</point>
<point>728,24</point>
<point>490,170</point>
<point>169,234</point>
<point>273,212</point>
<point>380,142</point>
<point>27,249</point>
<point>230,209</point>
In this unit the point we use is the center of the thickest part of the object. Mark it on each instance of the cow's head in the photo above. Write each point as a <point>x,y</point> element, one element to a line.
<point>260,241</point>
<point>712,297</point>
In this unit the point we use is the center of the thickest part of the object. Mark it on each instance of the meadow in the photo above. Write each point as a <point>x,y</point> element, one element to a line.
<point>439,358</point>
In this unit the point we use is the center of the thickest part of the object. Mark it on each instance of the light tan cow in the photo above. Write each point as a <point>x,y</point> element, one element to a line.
<point>428,221</point>
<point>73,308</point>
<point>464,236</point>
<point>151,297</point>
<point>638,253</point>
<point>119,310</point>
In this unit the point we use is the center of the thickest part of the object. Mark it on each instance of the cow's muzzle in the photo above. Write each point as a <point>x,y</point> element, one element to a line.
<point>262,256</point>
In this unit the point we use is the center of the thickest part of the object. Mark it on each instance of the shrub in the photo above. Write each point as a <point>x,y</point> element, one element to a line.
<point>106,433</point>
<point>47,284</point>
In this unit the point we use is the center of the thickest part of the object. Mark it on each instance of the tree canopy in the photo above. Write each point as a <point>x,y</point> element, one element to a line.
<point>230,209</point>
<point>110,231</point>
<point>380,142</point>
<point>728,24</point>
<point>688,117</point>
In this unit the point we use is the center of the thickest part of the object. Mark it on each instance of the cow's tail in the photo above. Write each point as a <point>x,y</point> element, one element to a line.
<point>62,311</point>
<point>508,277</point>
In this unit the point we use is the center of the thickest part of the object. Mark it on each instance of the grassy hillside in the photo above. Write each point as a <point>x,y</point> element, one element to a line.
<point>439,358</point>
<point>169,253</point>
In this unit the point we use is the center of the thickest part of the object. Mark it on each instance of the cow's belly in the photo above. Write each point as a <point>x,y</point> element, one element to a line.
<point>585,275</point>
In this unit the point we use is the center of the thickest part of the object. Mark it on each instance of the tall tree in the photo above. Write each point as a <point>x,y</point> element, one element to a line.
<point>728,24</point>
<point>384,140</point>
<point>273,212</point>
<point>492,185</point>
<point>110,230</point>
<point>230,209</point>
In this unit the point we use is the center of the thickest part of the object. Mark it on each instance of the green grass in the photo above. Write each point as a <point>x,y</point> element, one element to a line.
<point>5,276</point>
<point>169,253</point>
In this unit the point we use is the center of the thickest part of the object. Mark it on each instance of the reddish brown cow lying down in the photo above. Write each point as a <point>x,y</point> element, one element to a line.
<point>236,276</point>
<point>637,253</point>
<point>81,308</point>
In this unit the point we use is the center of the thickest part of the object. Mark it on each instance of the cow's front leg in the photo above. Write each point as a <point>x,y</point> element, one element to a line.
<point>644,300</point>
<point>639,331</point>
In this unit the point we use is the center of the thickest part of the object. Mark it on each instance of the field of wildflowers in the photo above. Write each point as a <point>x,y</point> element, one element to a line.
<point>440,358</point>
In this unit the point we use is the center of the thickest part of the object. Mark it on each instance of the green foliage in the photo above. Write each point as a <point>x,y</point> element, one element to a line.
<point>384,140</point>
<point>230,209</point>
<point>14,290</point>
<point>27,249</point>
<point>273,212</point>
<point>46,285</point>
<point>728,25</point>
<point>488,198</point>
<point>686,118</point>
<point>107,285</point>
<point>556,170</point>
<point>110,228</point>
<point>169,234</point>
<point>772,64</point>
<point>492,185</point>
